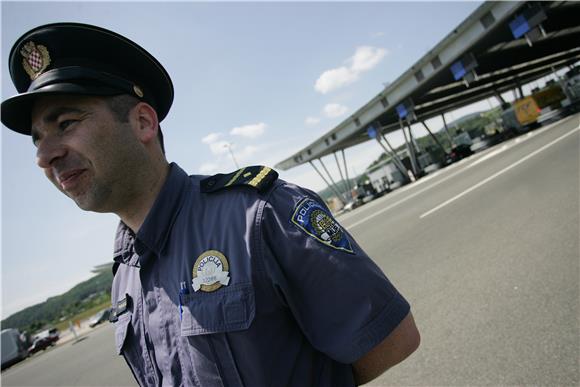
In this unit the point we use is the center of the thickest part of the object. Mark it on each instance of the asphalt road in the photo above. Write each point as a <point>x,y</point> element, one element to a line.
<point>91,361</point>
<point>487,252</point>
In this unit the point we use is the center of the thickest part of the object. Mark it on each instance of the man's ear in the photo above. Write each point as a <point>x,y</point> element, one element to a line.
<point>147,123</point>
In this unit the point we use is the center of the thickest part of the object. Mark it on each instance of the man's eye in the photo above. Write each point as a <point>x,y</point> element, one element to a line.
<point>65,124</point>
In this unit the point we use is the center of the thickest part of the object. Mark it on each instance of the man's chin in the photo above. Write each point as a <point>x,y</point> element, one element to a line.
<point>85,203</point>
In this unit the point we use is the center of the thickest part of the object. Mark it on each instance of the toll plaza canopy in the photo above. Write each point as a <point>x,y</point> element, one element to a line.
<point>497,48</point>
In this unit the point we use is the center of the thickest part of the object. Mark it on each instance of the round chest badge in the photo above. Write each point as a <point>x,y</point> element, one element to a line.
<point>210,271</point>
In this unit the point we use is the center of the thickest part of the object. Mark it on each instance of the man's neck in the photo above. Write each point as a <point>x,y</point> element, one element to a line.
<point>135,216</point>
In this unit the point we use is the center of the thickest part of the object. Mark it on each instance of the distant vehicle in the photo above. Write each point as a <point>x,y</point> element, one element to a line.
<point>40,344</point>
<point>350,206</point>
<point>100,317</point>
<point>527,110</point>
<point>480,144</point>
<point>13,349</point>
<point>457,153</point>
<point>52,335</point>
<point>525,113</point>
<point>571,86</point>
<point>573,82</point>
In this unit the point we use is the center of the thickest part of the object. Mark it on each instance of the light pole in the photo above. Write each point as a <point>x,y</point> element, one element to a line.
<point>229,146</point>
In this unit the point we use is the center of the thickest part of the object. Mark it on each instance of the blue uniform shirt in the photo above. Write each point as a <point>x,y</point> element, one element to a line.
<point>246,288</point>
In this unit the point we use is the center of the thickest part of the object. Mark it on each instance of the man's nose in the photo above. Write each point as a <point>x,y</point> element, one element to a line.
<point>49,150</point>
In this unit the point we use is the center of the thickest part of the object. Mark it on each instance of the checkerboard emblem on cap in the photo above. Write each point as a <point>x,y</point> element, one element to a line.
<point>36,59</point>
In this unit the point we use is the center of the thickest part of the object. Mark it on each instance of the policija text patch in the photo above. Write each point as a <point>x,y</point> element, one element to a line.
<point>315,220</point>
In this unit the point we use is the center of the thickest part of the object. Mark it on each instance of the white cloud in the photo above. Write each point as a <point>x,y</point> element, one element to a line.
<point>335,78</point>
<point>333,110</point>
<point>251,131</point>
<point>211,138</point>
<point>364,59</point>
<point>311,121</point>
<point>208,168</point>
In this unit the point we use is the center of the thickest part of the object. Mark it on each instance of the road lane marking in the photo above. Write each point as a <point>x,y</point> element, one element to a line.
<point>498,173</point>
<point>446,169</point>
<point>404,199</point>
<point>488,156</point>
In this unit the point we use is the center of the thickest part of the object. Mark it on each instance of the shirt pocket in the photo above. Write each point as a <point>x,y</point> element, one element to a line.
<point>125,345</point>
<point>121,329</point>
<point>208,319</point>
<point>227,309</point>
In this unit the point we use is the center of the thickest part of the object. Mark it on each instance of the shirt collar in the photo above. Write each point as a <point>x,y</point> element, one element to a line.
<point>155,229</point>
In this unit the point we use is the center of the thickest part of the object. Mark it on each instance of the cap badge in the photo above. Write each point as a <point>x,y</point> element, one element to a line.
<point>36,59</point>
<point>210,271</point>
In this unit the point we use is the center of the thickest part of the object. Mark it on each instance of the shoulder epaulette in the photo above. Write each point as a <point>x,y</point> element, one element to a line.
<point>257,176</point>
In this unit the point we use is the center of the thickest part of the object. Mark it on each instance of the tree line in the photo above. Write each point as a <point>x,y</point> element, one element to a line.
<point>85,295</point>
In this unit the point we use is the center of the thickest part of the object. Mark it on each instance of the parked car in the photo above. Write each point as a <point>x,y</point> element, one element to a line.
<point>44,339</point>
<point>480,144</point>
<point>100,317</point>
<point>457,153</point>
<point>40,344</point>
<point>13,347</point>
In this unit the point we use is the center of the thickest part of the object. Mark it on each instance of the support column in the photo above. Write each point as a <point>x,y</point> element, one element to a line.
<point>519,85</point>
<point>346,173</point>
<point>329,185</point>
<point>433,136</point>
<point>340,173</point>
<point>446,129</point>
<point>411,151</point>
<point>396,160</point>
<point>414,141</point>
<point>499,97</point>
<point>398,164</point>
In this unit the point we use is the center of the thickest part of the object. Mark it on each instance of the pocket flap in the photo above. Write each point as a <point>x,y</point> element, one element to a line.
<point>227,309</point>
<point>121,328</point>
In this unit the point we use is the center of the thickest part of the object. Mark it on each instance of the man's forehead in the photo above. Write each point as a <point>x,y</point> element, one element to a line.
<point>48,105</point>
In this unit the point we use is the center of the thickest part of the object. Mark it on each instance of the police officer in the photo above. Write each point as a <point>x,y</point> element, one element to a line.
<point>238,279</point>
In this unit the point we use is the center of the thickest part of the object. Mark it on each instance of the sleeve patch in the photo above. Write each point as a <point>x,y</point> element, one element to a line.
<point>315,220</point>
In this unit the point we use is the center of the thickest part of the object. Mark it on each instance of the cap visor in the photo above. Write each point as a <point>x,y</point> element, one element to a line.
<point>16,111</point>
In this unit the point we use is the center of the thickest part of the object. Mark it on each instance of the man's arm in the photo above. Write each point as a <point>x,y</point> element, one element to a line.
<point>395,348</point>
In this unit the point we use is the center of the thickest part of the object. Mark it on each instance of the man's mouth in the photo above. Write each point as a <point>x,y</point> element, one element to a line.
<point>69,179</point>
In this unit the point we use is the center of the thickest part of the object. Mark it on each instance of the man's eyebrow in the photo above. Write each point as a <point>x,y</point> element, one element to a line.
<point>52,116</point>
<point>56,112</point>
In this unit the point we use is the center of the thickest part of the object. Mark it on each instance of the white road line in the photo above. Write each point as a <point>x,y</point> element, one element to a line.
<point>499,173</point>
<point>404,199</point>
<point>447,169</point>
<point>488,156</point>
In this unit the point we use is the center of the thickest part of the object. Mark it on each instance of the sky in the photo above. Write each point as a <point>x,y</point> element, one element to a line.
<point>263,79</point>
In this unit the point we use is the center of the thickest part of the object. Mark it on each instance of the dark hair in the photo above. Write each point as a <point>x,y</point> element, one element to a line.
<point>121,105</point>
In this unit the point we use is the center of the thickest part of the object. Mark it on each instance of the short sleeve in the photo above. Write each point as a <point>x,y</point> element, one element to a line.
<point>342,301</point>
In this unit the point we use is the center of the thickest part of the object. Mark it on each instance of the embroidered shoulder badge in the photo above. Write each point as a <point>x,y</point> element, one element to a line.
<point>315,220</point>
<point>210,271</point>
<point>258,177</point>
<point>36,59</point>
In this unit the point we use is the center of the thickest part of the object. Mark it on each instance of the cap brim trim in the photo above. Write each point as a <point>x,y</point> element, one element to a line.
<point>16,111</point>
